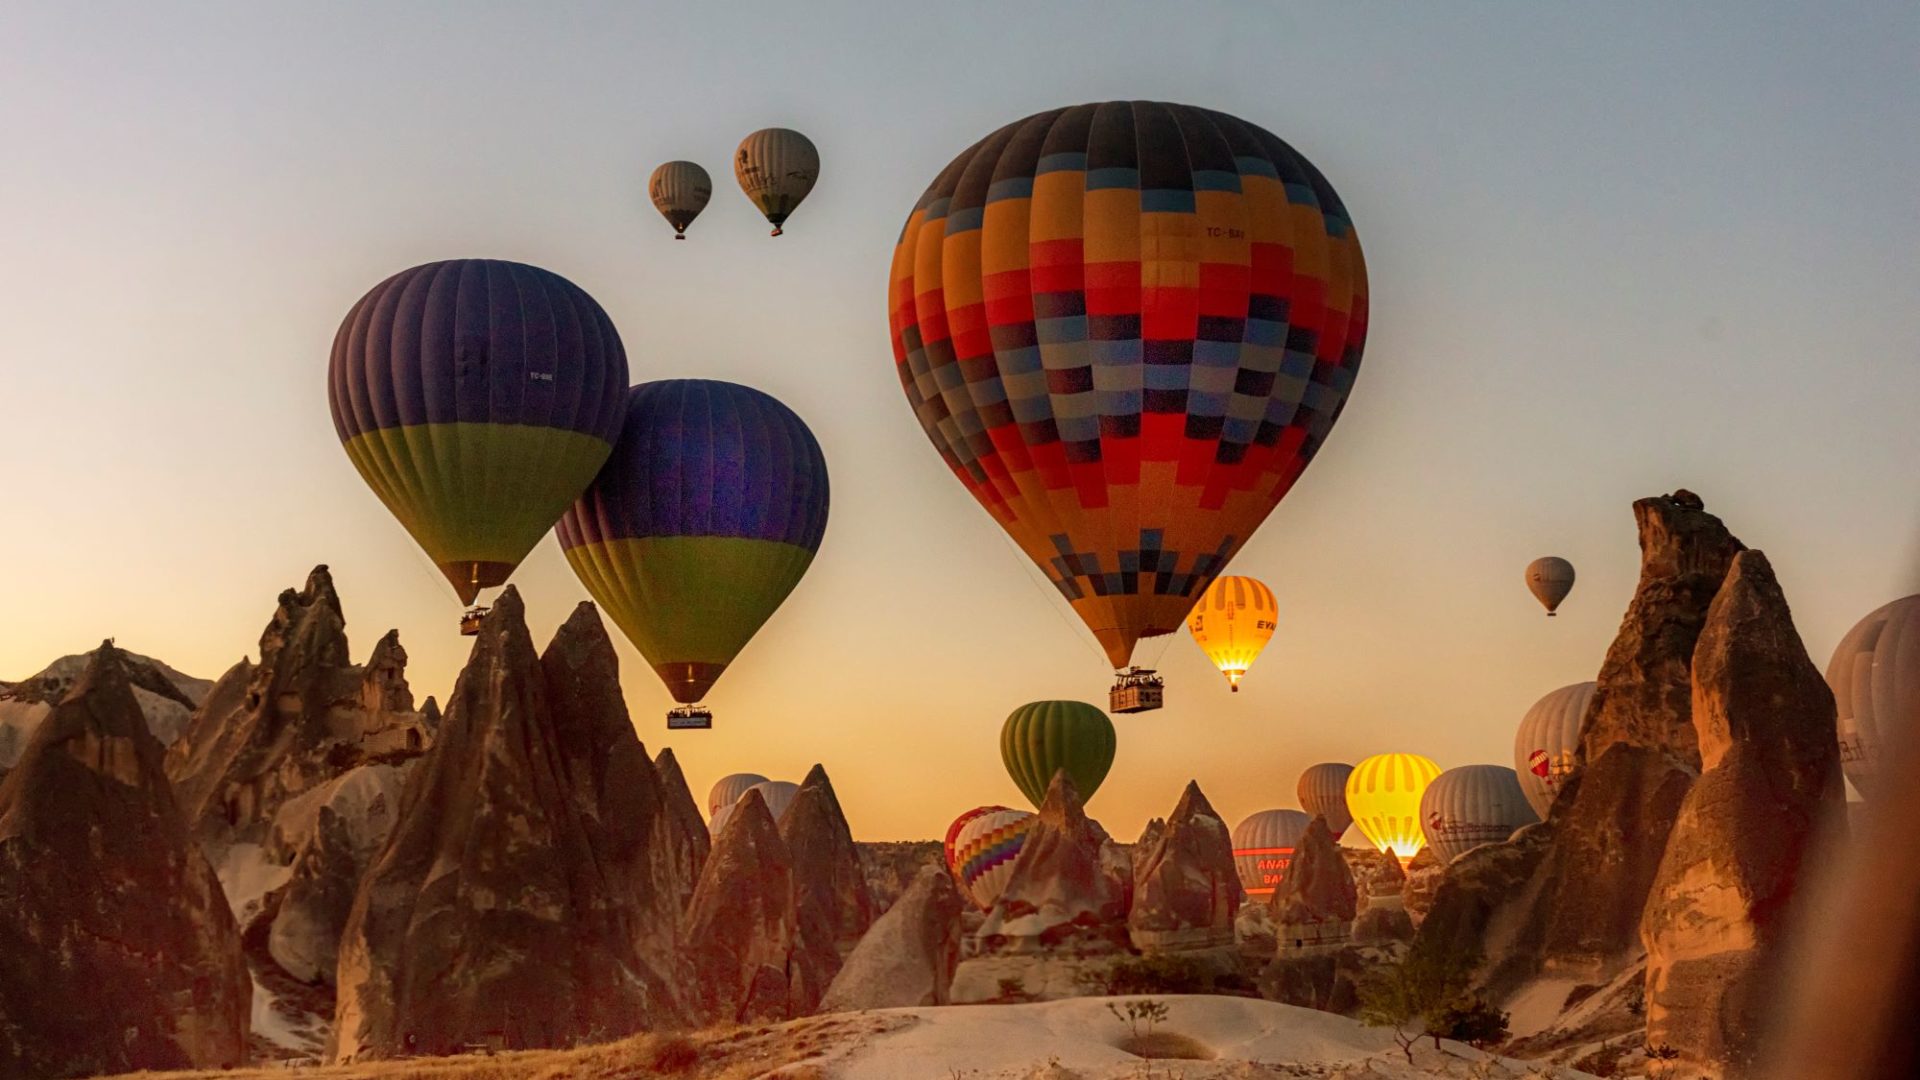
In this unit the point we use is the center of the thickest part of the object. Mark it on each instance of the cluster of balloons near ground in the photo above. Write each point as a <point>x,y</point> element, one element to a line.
<point>727,792</point>
<point>775,168</point>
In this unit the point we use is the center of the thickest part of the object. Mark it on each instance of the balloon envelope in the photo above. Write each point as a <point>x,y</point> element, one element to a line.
<point>1263,847</point>
<point>1546,748</point>
<point>705,518</point>
<point>1233,621</point>
<point>1127,327</point>
<point>727,790</point>
<point>1550,579</point>
<point>1472,805</point>
<point>1043,737</point>
<point>477,398</point>
<point>776,168</point>
<point>1322,790</point>
<point>680,190</point>
<point>1383,795</point>
<point>1875,677</point>
<point>982,845</point>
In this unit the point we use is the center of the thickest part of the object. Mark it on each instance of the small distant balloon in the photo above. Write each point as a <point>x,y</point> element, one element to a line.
<point>1550,579</point>
<point>1472,805</point>
<point>1383,795</point>
<point>1043,737</point>
<point>680,190</point>
<point>776,168</point>
<point>1233,621</point>
<point>1263,848</point>
<point>1875,677</point>
<point>1322,790</point>
<point>727,790</point>
<point>981,848</point>
<point>1546,748</point>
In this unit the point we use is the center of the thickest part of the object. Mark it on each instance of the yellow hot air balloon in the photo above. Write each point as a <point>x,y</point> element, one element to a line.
<point>1233,621</point>
<point>1383,794</point>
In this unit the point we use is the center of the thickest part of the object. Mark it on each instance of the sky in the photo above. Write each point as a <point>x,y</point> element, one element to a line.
<point>1612,250</point>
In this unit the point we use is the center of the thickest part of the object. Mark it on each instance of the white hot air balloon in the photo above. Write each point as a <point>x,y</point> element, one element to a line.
<point>1263,845</point>
<point>727,790</point>
<point>1546,748</point>
<point>1550,579</point>
<point>1472,805</point>
<point>679,190</point>
<point>1875,676</point>
<point>776,167</point>
<point>778,795</point>
<point>1323,792</point>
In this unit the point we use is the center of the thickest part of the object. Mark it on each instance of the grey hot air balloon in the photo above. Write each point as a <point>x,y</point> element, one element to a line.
<point>776,168</point>
<point>1472,805</point>
<point>727,790</point>
<point>1323,791</point>
<point>1550,579</point>
<point>1546,748</point>
<point>777,794</point>
<point>680,190</point>
<point>1875,676</point>
<point>1263,846</point>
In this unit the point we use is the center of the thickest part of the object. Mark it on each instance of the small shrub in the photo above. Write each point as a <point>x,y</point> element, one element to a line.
<point>1013,989</point>
<point>1139,1016</point>
<point>1469,1020</point>
<point>673,1054</point>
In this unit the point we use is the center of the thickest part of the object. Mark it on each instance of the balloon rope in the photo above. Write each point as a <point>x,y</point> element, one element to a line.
<point>1052,598</point>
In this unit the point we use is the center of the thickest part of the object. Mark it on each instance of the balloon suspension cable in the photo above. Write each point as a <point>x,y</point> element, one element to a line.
<point>1050,596</point>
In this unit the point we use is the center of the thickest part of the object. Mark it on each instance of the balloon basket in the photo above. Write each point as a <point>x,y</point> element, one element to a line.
<point>471,619</point>
<point>690,718</point>
<point>1136,690</point>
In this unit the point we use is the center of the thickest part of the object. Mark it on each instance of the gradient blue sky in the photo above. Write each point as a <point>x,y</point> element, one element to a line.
<point>1614,249</point>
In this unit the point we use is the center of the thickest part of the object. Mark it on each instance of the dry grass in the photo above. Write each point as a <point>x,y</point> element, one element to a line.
<point>1166,1045</point>
<point>732,1053</point>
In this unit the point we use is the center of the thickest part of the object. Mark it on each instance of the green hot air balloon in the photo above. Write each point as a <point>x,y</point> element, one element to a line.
<point>1041,738</point>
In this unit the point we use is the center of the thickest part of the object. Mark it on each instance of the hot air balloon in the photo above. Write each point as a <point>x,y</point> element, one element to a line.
<point>1263,846</point>
<point>1127,327</point>
<point>776,168</point>
<point>1546,749</point>
<point>1550,579</point>
<point>1875,676</point>
<point>777,794</point>
<point>1041,738</point>
<point>477,398</point>
<point>727,790</point>
<point>719,819</point>
<point>1383,795</point>
<point>680,190</point>
<point>981,847</point>
<point>1233,621</point>
<point>1472,805</point>
<point>704,520</point>
<point>1322,790</point>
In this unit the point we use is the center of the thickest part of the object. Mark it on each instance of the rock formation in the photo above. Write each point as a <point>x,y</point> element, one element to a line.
<point>1424,873</point>
<point>1376,874</point>
<point>1764,718</point>
<point>517,900</point>
<point>1186,891</point>
<point>893,866</point>
<point>1313,906</point>
<point>740,926</point>
<point>166,697</point>
<point>687,837</point>
<point>908,957</point>
<point>1382,925</point>
<point>831,906</point>
<point>1483,907</point>
<point>117,951</point>
<point>336,830</point>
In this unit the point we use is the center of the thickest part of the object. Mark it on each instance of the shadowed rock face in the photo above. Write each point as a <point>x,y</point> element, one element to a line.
<point>1641,753</point>
<point>166,697</point>
<point>117,951</point>
<point>831,905</point>
<point>1424,872</point>
<point>1765,722</point>
<point>1315,903</point>
<point>1481,907</point>
<point>740,929</point>
<point>1062,897</point>
<point>908,957</point>
<point>518,897</point>
<point>1186,891</point>
<point>688,839</point>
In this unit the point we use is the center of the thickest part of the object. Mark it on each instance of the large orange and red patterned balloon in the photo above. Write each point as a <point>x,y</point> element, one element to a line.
<point>1127,327</point>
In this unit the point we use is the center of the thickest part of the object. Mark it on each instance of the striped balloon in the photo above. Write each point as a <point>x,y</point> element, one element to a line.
<point>982,846</point>
<point>727,790</point>
<point>1127,327</point>
<point>776,168</point>
<point>1546,749</point>
<point>477,398</point>
<point>777,794</point>
<point>1043,737</point>
<point>704,520</point>
<point>1322,789</point>
<point>1875,678</point>
<point>1472,805</point>
<point>1263,847</point>
<point>680,190</point>
<point>1233,621</point>
<point>1383,795</point>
